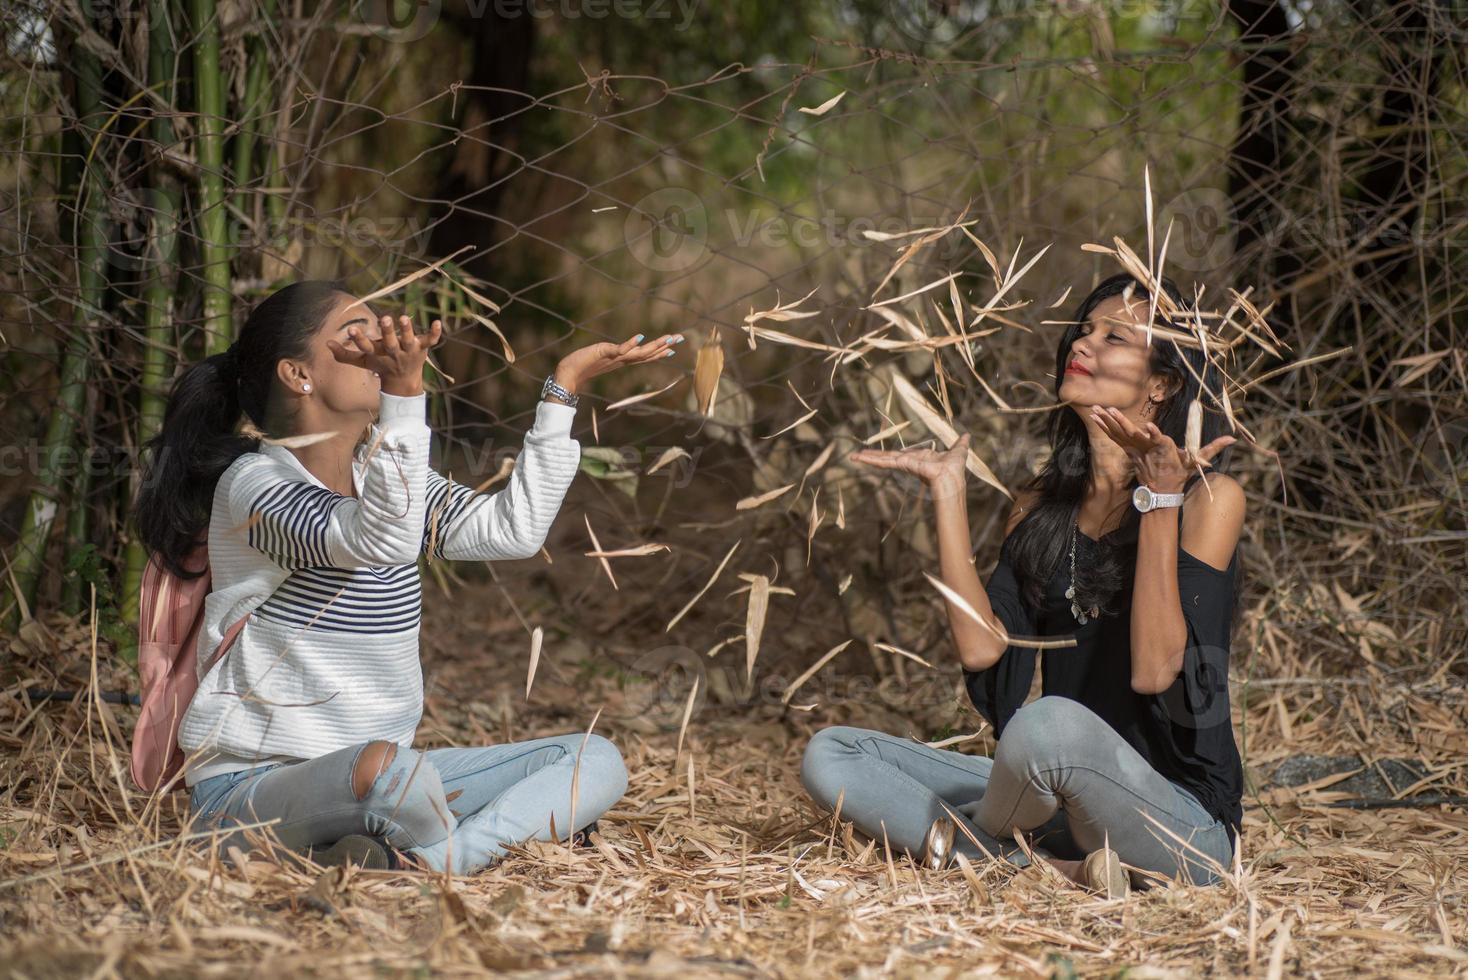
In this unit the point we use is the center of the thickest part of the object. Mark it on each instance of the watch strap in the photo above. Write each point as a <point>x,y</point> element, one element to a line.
<point>552,388</point>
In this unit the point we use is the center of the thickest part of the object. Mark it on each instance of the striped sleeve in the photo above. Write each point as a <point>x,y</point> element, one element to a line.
<point>298,524</point>
<point>462,525</point>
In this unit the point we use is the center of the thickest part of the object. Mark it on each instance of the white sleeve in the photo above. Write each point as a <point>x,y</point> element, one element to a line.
<point>298,524</point>
<point>462,525</point>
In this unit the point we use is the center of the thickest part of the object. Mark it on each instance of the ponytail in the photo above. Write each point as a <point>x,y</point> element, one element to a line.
<point>199,438</point>
<point>184,460</point>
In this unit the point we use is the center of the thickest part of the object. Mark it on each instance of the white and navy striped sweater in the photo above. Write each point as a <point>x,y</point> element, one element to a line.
<point>329,655</point>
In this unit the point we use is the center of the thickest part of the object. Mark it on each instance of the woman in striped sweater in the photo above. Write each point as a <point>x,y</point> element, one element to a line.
<point>309,717</point>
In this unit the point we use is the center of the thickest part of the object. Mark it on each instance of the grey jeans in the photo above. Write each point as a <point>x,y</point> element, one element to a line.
<point>1059,773</point>
<point>511,793</point>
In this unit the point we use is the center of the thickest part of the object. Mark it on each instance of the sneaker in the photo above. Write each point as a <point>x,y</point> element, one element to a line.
<point>582,837</point>
<point>1102,872</point>
<point>358,849</point>
<point>938,845</point>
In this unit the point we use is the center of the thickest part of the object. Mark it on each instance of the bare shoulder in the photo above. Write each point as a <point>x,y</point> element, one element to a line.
<point>1024,502</point>
<point>1213,519</point>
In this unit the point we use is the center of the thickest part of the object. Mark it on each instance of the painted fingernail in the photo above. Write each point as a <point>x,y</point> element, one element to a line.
<point>670,353</point>
<point>678,339</point>
<point>638,338</point>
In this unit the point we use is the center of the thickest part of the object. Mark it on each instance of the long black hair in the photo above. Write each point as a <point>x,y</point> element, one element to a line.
<point>200,436</point>
<point>1042,539</point>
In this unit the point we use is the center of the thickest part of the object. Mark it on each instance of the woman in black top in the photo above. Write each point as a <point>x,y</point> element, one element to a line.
<point>1129,755</point>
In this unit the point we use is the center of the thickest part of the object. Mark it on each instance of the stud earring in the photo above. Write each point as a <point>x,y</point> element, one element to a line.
<point>306,386</point>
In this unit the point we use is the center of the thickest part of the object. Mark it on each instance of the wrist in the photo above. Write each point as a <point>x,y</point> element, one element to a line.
<point>402,388</point>
<point>566,379</point>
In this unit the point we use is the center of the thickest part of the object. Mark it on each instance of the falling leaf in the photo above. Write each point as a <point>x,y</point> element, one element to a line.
<point>668,455</point>
<point>749,503</point>
<point>637,552</point>
<point>940,427</point>
<point>297,442</point>
<point>754,621</point>
<point>824,107</point>
<point>596,546</point>
<point>1194,437</point>
<point>687,714</point>
<point>706,371</point>
<point>902,653</point>
<point>814,669</point>
<point>642,397</point>
<point>393,287</point>
<point>535,639</point>
<point>706,586</point>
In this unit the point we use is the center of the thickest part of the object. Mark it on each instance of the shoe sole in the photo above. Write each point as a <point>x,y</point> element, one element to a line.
<point>1106,875</point>
<point>356,849</point>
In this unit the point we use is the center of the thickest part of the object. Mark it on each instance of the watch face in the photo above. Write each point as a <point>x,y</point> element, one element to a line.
<point>1142,498</point>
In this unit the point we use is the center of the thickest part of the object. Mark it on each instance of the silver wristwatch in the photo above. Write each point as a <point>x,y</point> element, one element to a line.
<point>551,388</point>
<point>1144,499</point>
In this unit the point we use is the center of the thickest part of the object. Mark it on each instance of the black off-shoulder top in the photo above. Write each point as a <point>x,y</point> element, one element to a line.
<point>1185,732</point>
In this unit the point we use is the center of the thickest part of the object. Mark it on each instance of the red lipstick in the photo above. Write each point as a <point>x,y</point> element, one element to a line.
<point>1075,367</point>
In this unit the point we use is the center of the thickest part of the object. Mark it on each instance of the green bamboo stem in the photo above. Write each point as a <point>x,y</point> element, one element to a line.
<point>209,97</point>
<point>91,242</point>
<point>162,258</point>
<point>251,109</point>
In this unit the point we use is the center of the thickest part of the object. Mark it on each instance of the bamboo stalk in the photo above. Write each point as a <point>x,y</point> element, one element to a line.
<point>162,260</point>
<point>90,243</point>
<point>209,99</point>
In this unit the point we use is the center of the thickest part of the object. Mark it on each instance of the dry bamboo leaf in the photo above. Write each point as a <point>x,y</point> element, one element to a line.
<point>954,740</point>
<point>902,653</point>
<point>1060,299</point>
<point>749,503</point>
<point>642,397</point>
<point>792,425</point>
<point>845,583</point>
<point>692,810</point>
<point>886,433</point>
<point>706,371</point>
<point>1193,440</point>
<point>411,277</point>
<point>811,671</point>
<point>637,552</point>
<point>940,427</point>
<point>668,455</point>
<point>596,546</point>
<point>687,714</point>
<point>968,610</point>
<point>536,636</point>
<point>576,772</point>
<point>300,441</point>
<point>824,107</point>
<point>819,461</point>
<point>706,586</point>
<point>754,621</point>
<point>916,292</point>
<point>494,328</point>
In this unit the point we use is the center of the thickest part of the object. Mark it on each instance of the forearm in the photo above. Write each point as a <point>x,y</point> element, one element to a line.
<point>1159,633</point>
<point>978,648</point>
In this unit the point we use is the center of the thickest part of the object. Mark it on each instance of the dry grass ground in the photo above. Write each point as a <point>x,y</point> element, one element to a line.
<point>714,863</point>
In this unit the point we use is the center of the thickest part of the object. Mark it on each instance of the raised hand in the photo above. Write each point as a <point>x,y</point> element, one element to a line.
<point>397,355</point>
<point>1159,463</point>
<point>944,471</point>
<point>580,366</point>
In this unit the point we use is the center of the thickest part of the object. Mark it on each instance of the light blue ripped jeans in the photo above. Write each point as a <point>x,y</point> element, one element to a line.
<point>1060,773</point>
<point>507,794</point>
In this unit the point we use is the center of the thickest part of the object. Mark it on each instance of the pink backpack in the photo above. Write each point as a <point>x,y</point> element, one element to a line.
<point>170,615</point>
